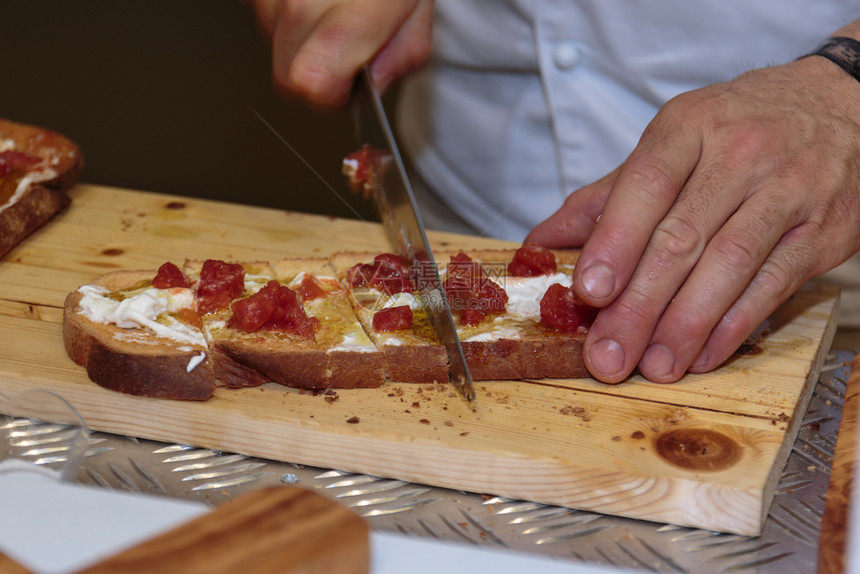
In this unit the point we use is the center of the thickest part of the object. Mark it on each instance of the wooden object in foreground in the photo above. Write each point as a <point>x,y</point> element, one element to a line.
<point>834,524</point>
<point>282,529</point>
<point>705,452</point>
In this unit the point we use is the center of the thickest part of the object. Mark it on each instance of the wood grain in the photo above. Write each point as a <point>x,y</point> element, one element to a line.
<point>9,566</point>
<point>834,523</point>
<point>281,529</point>
<point>706,452</point>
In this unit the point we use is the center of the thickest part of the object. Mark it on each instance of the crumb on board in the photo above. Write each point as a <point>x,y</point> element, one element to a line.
<point>353,420</point>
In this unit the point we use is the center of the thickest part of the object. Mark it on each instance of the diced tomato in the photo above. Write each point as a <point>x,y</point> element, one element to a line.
<point>189,317</point>
<point>388,273</point>
<point>310,288</point>
<point>562,310</point>
<point>471,317</point>
<point>368,169</point>
<point>15,161</point>
<point>275,307</point>
<point>393,319</point>
<point>219,284</point>
<point>530,260</point>
<point>470,293</point>
<point>213,303</point>
<point>169,275</point>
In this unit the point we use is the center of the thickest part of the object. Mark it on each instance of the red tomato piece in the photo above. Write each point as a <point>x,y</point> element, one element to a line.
<point>388,273</point>
<point>169,275</point>
<point>15,161</point>
<point>530,260</point>
<point>273,308</point>
<point>368,171</point>
<point>562,310</point>
<point>309,288</point>
<point>471,317</point>
<point>219,284</point>
<point>189,317</point>
<point>393,319</point>
<point>470,293</point>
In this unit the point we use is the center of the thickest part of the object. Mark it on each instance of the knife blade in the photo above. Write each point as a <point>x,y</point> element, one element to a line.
<point>395,201</point>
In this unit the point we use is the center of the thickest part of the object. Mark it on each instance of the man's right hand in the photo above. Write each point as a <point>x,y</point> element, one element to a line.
<point>319,46</point>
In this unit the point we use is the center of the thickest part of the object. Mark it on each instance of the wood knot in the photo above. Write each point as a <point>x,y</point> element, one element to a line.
<point>698,449</point>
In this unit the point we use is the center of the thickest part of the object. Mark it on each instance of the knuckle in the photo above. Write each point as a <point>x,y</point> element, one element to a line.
<point>653,177</point>
<point>636,308</point>
<point>774,278</point>
<point>677,238</point>
<point>737,251</point>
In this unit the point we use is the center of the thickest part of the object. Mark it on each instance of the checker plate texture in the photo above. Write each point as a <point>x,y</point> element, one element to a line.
<point>788,544</point>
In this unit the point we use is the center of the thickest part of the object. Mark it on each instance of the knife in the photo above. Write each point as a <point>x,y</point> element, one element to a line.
<point>398,209</point>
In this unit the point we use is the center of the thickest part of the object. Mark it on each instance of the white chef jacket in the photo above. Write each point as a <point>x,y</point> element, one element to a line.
<point>525,101</point>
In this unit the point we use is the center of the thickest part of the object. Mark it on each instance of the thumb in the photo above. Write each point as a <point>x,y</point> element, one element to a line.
<point>572,224</point>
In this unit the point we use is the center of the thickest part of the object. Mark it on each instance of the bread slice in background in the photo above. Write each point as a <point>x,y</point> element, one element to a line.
<point>412,355</point>
<point>135,361</point>
<point>353,359</point>
<point>33,192</point>
<point>507,346</point>
<point>243,359</point>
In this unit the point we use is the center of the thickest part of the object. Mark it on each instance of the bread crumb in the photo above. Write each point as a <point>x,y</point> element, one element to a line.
<point>575,411</point>
<point>416,404</point>
<point>424,422</point>
<point>353,420</point>
<point>448,424</point>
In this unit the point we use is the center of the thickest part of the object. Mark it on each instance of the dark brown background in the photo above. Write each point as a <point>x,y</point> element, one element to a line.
<point>161,95</point>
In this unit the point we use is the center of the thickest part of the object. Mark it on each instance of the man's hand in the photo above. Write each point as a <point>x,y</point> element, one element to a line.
<point>736,195</point>
<point>318,46</point>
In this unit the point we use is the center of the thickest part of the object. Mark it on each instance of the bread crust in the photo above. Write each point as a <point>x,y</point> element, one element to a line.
<point>142,363</point>
<point>538,352</point>
<point>134,361</point>
<point>58,170</point>
<point>418,358</point>
<point>346,369</point>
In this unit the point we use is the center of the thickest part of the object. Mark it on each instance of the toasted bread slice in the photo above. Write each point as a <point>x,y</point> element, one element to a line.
<point>37,166</point>
<point>412,355</point>
<point>129,339</point>
<point>353,359</point>
<point>514,344</point>
<point>243,359</point>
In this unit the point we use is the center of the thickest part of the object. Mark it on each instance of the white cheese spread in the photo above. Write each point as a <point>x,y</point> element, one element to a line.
<point>525,293</point>
<point>497,333</point>
<point>254,283</point>
<point>194,361</point>
<point>355,342</point>
<point>402,300</point>
<point>142,310</point>
<point>23,185</point>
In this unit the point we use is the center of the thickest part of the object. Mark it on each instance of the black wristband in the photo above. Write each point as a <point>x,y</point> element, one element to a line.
<point>844,52</point>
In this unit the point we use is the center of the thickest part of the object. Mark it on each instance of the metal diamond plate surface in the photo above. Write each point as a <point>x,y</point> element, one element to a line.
<point>788,544</point>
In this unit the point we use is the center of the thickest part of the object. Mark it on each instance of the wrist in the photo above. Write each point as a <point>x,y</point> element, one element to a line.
<point>842,51</point>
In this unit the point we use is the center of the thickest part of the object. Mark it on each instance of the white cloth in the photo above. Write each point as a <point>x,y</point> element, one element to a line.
<point>525,101</point>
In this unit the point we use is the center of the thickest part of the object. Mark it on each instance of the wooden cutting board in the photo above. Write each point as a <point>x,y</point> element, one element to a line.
<point>705,452</point>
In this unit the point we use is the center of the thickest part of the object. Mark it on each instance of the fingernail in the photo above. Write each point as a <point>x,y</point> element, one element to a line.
<point>607,357</point>
<point>658,361</point>
<point>598,281</point>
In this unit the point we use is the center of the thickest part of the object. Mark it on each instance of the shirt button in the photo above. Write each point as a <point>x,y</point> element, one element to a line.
<point>565,56</point>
